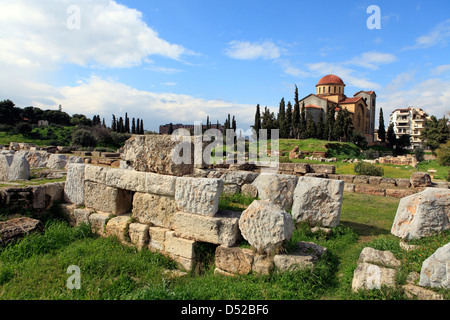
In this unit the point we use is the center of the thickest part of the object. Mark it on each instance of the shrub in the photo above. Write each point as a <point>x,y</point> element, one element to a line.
<point>419,153</point>
<point>443,154</point>
<point>84,138</point>
<point>368,169</point>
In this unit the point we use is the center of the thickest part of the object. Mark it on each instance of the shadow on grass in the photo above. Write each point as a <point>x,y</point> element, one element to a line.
<point>364,230</point>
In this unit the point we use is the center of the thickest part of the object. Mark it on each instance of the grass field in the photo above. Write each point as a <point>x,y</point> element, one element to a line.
<point>35,268</point>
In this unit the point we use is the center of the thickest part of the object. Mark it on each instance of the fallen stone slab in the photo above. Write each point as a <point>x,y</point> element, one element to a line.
<point>305,255</point>
<point>422,214</point>
<point>419,293</point>
<point>420,179</point>
<point>234,260</point>
<point>318,201</point>
<point>378,257</point>
<point>17,228</point>
<point>98,222</point>
<point>370,276</point>
<point>74,187</point>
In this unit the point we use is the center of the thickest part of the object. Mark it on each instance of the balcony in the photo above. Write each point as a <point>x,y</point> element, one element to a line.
<point>402,124</point>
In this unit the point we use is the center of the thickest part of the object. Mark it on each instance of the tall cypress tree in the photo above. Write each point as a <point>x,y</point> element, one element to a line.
<point>127,123</point>
<point>381,128</point>
<point>310,131</point>
<point>320,127</point>
<point>281,119</point>
<point>296,126</point>
<point>142,127</point>
<point>138,126</point>
<point>120,126</point>
<point>114,124</point>
<point>329,123</point>
<point>257,125</point>
<point>302,120</point>
<point>133,126</point>
<point>288,122</point>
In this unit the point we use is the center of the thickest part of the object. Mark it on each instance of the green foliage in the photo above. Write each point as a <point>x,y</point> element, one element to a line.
<point>368,169</point>
<point>83,138</point>
<point>381,128</point>
<point>443,154</point>
<point>436,132</point>
<point>359,139</point>
<point>419,153</point>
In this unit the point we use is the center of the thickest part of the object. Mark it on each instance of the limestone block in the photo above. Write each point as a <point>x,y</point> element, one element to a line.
<point>422,214</point>
<point>302,168</point>
<point>384,258</point>
<point>57,161</point>
<point>238,177</point>
<point>403,183</point>
<point>106,199</point>
<point>157,238</point>
<point>160,184</point>
<point>349,187</point>
<point>234,260</point>
<point>5,163</point>
<point>418,293</point>
<point>198,195</point>
<point>74,187</point>
<point>154,209</point>
<point>249,190</point>
<point>262,264</point>
<point>19,169</point>
<point>139,235</point>
<point>276,187</point>
<point>126,179</point>
<point>223,230</point>
<point>366,189</point>
<point>98,222</point>
<point>420,179</point>
<point>38,193</point>
<point>370,276</point>
<point>266,225</point>
<point>435,271</point>
<point>96,173</point>
<point>82,216</point>
<point>305,255</point>
<point>17,228</point>
<point>118,227</point>
<point>318,201</point>
<point>322,168</point>
<point>181,250</point>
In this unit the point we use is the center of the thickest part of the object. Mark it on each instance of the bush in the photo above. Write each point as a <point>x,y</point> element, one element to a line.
<point>23,128</point>
<point>443,154</point>
<point>419,153</point>
<point>84,138</point>
<point>368,169</point>
<point>359,139</point>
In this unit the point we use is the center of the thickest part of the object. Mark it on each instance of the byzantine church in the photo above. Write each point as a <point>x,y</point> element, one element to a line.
<point>330,93</point>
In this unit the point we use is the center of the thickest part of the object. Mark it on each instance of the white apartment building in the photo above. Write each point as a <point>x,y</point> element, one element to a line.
<point>409,121</point>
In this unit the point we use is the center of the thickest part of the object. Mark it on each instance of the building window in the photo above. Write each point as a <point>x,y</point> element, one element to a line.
<point>329,89</point>
<point>334,89</point>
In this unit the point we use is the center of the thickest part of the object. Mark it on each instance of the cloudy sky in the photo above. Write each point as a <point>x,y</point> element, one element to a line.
<point>181,60</point>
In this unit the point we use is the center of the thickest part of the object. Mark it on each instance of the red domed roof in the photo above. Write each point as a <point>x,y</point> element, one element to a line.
<point>330,79</point>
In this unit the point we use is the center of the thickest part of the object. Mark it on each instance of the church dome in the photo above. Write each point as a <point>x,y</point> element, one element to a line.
<point>330,79</point>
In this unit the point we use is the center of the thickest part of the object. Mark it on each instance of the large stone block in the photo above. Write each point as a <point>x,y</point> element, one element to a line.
<point>106,199</point>
<point>96,173</point>
<point>57,161</point>
<point>169,155</point>
<point>74,187</point>
<point>318,201</point>
<point>223,230</point>
<point>98,222</point>
<point>118,227</point>
<point>422,214</point>
<point>198,195</point>
<point>435,271</point>
<point>370,276</point>
<point>127,180</point>
<point>234,260</point>
<point>17,228</point>
<point>154,209</point>
<point>266,225</point>
<point>160,184</point>
<point>181,250</point>
<point>276,187</point>
<point>139,235</point>
<point>420,179</point>
<point>305,255</point>
<point>157,238</point>
<point>322,168</point>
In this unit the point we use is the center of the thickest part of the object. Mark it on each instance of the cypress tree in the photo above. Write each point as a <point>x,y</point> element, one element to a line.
<point>138,126</point>
<point>348,125</point>
<point>120,126</point>
<point>329,123</point>
<point>133,126</point>
<point>296,121</point>
<point>381,128</point>
<point>281,119</point>
<point>303,120</point>
<point>142,127</point>
<point>320,127</point>
<point>114,124</point>
<point>288,121</point>
<point>127,124</point>
<point>170,131</point>
<point>310,131</point>
<point>390,136</point>
<point>257,125</point>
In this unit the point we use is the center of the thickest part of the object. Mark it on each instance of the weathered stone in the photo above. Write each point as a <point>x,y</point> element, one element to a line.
<point>365,189</point>
<point>349,187</point>
<point>230,189</point>
<point>318,201</point>
<point>17,228</point>
<point>139,235</point>
<point>276,187</point>
<point>57,161</point>
<point>435,271</point>
<point>361,179</point>
<point>249,190</point>
<point>74,187</point>
<point>383,258</point>
<point>96,173</point>
<point>181,250</point>
<point>234,260</point>
<point>169,155</point>
<point>157,238</point>
<point>347,178</point>
<point>403,183</point>
<point>223,230</point>
<point>399,193</point>
<point>106,199</point>
<point>127,180</point>
<point>19,169</point>
<point>422,214</point>
<point>304,256</point>
<point>322,168</point>
<point>198,195</point>
<point>387,182</point>
<point>407,247</point>
<point>374,180</point>
<point>160,184</point>
<point>154,209</point>
<point>98,222</point>
<point>301,168</point>
<point>420,179</point>
<point>238,177</point>
<point>82,216</point>
<point>419,293</point>
<point>262,264</point>
<point>38,197</point>
<point>118,227</point>
<point>370,276</point>
<point>266,225</point>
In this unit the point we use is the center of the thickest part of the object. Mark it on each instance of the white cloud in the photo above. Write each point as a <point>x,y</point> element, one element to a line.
<point>439,35</point>
<point>440,69</point>
<point>37,34</point>
<point>245,50</point>
<point>372,59</point>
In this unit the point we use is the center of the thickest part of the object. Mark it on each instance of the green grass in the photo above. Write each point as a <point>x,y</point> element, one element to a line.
<point>36,267</point>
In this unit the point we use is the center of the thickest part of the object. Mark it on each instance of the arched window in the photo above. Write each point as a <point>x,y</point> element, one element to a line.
<point>329,89</point>
<point>334,89</point>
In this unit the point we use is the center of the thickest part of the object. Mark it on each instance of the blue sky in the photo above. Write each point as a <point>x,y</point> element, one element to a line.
<point>179,61</point>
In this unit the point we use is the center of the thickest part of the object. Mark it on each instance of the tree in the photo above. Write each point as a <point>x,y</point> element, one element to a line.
<point>320,126</point>
<point>359,139</point>
<point>419,153</point>
<point>133,126</point>
<point>302,121</point>
<point>436,132</point>
<point>329,123</point>
<point>84,138</point>
<point>281,119</point>
<point>170,129</point>
<point>257,125</point>
<point>296,124</point>
<point>114,124</point>
<point>288,122</point>
<point>390,136</point>
<point>138,126</point>
<point>310,131</point>
<point>127,124</point>
<point>268,121</point>
<point>402,143</point>
<point>381,129</point>
<point>348,125</point>
<point>443,154</point>
<point>142,127</point>
<point>338,126</point>
<point>121,126</point>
